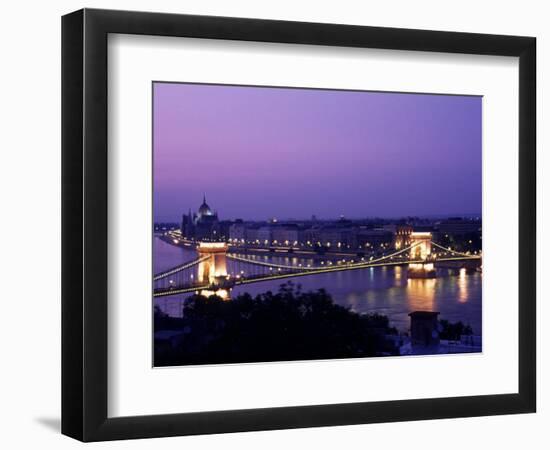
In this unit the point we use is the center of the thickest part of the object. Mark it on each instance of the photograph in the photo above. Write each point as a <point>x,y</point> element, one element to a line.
<point>267,226</point>
<point>313,224</point>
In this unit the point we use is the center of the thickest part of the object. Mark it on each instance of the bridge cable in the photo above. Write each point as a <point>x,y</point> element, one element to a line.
<point>452,251</point>
<point>281,266</point>
<point>177,269</point>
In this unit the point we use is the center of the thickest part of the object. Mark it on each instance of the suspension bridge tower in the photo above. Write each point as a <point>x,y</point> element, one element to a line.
<point>420,252</point>
<point>212,269</point>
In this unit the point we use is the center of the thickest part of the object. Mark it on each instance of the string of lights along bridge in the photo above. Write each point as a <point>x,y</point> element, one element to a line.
<point>208,274</point>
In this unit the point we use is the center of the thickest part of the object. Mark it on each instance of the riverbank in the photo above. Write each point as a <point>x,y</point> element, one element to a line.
<point>385,290</point>
<point>272,251</point>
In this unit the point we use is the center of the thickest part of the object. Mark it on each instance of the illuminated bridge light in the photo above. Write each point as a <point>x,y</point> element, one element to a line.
<point>172,288</point>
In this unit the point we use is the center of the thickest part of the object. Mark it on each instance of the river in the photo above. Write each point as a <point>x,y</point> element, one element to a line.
<point>455,294</point>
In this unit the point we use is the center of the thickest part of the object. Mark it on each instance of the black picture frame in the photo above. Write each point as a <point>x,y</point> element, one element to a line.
<point>84,224</point>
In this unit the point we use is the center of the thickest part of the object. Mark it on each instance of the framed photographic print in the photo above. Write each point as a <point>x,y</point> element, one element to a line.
<point>273,224</point>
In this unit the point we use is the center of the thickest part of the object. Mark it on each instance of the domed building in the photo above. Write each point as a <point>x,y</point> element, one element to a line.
<point>202,225</point>
<point>204,210</point>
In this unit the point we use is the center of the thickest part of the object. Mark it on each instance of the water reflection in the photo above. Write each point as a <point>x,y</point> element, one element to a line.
<point>398,272</point>
<point>455,294</point>
<point>421,294</point>
<point>462,286</point>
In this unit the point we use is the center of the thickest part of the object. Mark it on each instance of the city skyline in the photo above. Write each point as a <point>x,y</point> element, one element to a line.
<point>306,218</point>
<point>292,153</point>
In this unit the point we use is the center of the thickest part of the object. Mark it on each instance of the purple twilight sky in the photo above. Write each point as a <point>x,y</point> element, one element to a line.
<point>289,153</point>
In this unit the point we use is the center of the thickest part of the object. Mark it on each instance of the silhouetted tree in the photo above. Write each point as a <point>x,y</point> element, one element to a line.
<point>453,331</point>
<point>287,325</point>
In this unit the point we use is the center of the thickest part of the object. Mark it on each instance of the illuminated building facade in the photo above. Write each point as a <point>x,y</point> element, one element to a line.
<point>402,237</point>
<point>202,225</point>
<point>374,239</point>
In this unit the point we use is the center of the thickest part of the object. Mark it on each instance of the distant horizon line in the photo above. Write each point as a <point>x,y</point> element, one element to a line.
<point>335,218</point>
